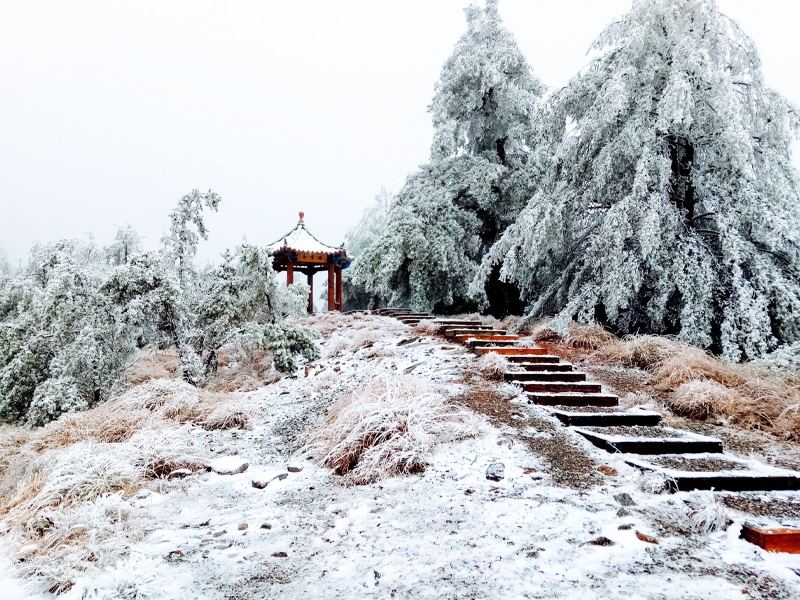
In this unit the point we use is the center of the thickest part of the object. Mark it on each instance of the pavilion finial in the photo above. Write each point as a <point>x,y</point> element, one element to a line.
<point>302,214</point>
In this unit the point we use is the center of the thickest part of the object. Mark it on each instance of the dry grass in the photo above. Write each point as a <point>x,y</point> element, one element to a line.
<point>151,363</point>
<point>58,483</point>
<point>580,336</point>
<point>427,327</point>
<point>387,428</point>
<point>690,381</point>
<point>492,366</point>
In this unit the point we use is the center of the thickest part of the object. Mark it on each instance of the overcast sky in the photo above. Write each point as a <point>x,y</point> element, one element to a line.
<point>110,111</point>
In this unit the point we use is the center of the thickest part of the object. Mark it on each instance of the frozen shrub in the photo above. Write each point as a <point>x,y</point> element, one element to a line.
<point>705,515</point>
<point>700,399</point>
<point>387,428</point>
<point>427,327</point>
<point>652,482</point>
<point>492,366</point>
<point>336,346</point>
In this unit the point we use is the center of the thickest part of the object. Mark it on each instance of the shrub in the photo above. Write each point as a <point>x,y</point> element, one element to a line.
<point>387,428</point>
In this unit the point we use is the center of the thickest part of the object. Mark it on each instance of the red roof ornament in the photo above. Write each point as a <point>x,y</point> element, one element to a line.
<point>302,214</point>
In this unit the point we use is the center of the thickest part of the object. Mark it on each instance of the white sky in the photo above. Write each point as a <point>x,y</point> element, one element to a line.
<point>110,111</point>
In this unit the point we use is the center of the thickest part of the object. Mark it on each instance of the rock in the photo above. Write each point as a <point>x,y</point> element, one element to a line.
<point>469,492</point>
<point>407,341</point>
<point>279,554</point>
<point>495,471</point>
<point>646,538</point>
<point>266,526</point>
<point>281,477</point>
<point>220,533</point>
<point>179,474</point>
<point>259,485</point>
<point>242,526</point>
<point>626,526</point>
<point>605,470</point>
<point>601,541</point>
<point>623,513</point>
<point>624,499</point>
<point>175,556</point>
<point>294,469</point>
<point>228,465</point>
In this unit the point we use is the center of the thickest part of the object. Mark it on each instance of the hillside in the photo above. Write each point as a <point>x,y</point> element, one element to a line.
<point>561,519</point>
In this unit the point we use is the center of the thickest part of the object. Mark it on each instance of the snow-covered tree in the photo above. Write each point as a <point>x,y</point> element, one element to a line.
<point>62,344</point>
<point>671,204</point>
<point>126,244</point>
<point>183,239</point>
<point>477,181</point>
<point>366,232</point>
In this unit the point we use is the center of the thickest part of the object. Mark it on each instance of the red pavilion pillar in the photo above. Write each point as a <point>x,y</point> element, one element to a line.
<point>311,291</point>
<point>289,274</point>
<point>331,306</point>
<point>339,288</point>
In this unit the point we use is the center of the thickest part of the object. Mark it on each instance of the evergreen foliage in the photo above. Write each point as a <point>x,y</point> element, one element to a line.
<point>451,211</point>
<point>70,322</point>
<point>670,203</point>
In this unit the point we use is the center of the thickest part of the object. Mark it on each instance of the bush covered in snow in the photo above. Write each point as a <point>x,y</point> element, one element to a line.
<point>73,318</point>
<point>387,428</point>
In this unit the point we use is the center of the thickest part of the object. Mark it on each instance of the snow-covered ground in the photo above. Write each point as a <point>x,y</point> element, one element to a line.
<point>447,533</point>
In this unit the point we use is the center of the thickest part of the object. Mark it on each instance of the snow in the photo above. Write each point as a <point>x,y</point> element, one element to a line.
<point>448,532</point>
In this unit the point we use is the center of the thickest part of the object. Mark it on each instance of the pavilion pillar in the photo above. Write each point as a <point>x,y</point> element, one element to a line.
<point>331,306</point>
<point>311,292</point>
<point>339,288</point>
<point>289,274</point>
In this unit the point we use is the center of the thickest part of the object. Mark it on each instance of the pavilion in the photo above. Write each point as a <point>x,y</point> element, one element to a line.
<point>298,250</point>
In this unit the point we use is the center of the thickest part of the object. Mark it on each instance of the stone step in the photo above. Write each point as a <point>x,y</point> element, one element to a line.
<point>486,337</point>
<point>645,418</point>
<point>567,399</point>
<point>471,342</point>
<point>673,442</point>
<point>550,376</point>
<point>773,539</point>
<point>461,322</point>
<point>551,367</point>
<point>556,387</point>
<point>479,330</point>
<point>534,359</point>
<point>391,311</point>
<point>749,477</point>
<point>480,350</point>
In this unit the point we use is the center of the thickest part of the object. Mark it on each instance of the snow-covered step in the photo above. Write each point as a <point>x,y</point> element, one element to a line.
<point>477,341</point>
<point>718,472</point>
<point>541,366</point>
<point>486,336</point>
<point>610,418</point>
<point>773,539</point>
<point>460,322</point>
<point>556,387</point>
<point>461,331</point>
<point>480,350</point>
<point>561,376</point>
<point>572,399</point>
<point>650,440</point>
<point>529,359</point>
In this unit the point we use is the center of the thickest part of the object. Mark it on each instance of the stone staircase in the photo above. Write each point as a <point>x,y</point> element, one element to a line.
<point>594,413</point>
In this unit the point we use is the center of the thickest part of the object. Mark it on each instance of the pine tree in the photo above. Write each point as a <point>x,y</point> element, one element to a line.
<point>450,212</point>
<point>670,204</point>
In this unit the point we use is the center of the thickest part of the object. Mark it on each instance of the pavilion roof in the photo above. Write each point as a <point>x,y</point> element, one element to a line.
<point>300,239</point>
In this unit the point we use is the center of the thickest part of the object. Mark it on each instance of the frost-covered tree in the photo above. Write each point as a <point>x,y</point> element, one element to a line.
<point>366,232</point>
<point>125,246</point>
<point>183,239</point>
<point>671,204</point>
<point>70,321</point>
<point>62,344</point>
<point>477,181</point>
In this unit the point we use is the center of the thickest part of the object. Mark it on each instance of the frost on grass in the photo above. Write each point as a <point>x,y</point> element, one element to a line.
<point>705,515</point>
<point>492,366</point>
<point>388,428</point>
